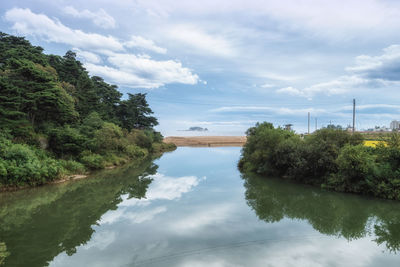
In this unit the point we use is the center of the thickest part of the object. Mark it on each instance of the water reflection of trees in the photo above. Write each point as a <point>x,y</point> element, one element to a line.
<point>330,213</point>
<point>56,219</point>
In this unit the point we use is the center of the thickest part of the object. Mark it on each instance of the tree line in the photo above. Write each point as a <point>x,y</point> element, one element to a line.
<point>56,119</point>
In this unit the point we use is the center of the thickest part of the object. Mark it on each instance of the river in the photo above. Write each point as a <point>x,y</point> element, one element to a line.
<point>191,207</point>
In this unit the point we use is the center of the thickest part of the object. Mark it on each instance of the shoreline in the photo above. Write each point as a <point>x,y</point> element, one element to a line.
<point>78,176</point>
<point>63,179</point>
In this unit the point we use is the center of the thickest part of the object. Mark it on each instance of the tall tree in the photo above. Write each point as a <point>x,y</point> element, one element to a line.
<point>32,89</point>
<point>109,98</point>
<point>71,70</point>
<point>135,113</point>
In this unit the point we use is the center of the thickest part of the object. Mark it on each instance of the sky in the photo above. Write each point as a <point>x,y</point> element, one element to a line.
<point>227,64</point>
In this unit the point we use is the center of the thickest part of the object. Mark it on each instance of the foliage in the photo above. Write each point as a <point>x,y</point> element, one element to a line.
<point>72,166</point>
<point>23,164</point>
<point>135,152</point>
<point>331,157</point>
<point>92,160</point>
<point>3,252</point>
<point>108,138</point>
<point>66,141</point>
<point>135,112</point>
<point>51,102</point>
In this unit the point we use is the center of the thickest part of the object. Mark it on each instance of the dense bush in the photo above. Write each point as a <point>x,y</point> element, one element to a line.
<point>140,138</point>
<point>135,152</point>
<point>72,166</point>
<point>332,158</point>
<point>66,141</point>
<point>108,138</point>
<point>22,164</point>
<point>92,160</point>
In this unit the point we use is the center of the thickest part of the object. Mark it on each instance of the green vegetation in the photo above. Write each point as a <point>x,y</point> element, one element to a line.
<point>56,120</point>
<point>331,158</point>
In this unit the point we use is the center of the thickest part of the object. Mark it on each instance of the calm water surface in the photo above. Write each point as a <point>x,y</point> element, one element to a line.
<point>191,207</point>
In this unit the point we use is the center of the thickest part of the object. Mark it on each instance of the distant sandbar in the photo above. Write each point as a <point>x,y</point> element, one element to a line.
<point>206,141</point>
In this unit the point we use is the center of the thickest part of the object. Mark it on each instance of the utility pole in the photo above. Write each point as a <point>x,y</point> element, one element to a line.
<point>354,115</point>
<point>308,122</point>
<point>316,124</point>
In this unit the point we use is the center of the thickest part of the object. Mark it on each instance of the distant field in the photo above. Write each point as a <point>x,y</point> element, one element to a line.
<point>207,141</point>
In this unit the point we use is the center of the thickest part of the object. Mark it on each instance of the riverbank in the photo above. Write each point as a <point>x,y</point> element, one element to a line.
<point>161,149</point>
<point>207,141</point>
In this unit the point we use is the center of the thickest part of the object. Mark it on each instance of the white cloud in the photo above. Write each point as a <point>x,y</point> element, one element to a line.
<point>138,217</point>
<point>290,91</point>
<point>135,71</point>
<point>101,240</point>
<point>130,68</point>
<point>279,77</point>
<point>140,42</point>
<point>145,215</point>
<point>161,188</point>
<point>202,41</point>
<point>214,215</point>
<point>362,107</point>
<point>273,110</point>
<point>341,85</point>
<point>142,72</point>
<point>268,85</point>
<point>121,77</point>
<point>329,19</point>
<point>324,18</point>
<point>87,56</point>
<point>385,67</point>
<point>100,18</point>
<point>28,23</point>
<point>164,187</point>
<point>369,72</point>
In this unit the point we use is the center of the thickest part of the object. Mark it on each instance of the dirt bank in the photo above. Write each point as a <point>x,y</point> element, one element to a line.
<point>206,141</point>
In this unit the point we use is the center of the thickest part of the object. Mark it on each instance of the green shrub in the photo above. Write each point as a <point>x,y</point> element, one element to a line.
<point>66,141</point>
<point>92,161</point>
<point>108,138</point>
<point>114,160</point>
<point>135,152</point>
<point>356,170</point>
<point>3,169</point>
<point>72,166</point>
<point>261,145</point>
<point>23,164</point>
<point>139,138</point>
